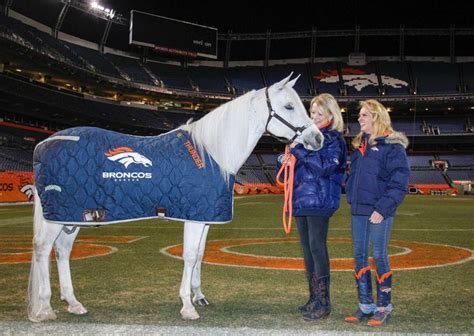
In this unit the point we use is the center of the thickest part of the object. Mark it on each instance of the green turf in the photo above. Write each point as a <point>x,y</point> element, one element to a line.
<point>138,284</point>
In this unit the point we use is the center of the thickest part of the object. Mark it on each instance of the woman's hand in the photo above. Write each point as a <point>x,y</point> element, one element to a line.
<point>376,218</point>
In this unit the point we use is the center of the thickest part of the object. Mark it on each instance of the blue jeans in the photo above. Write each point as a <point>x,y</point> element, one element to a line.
<point>379,234</point>
<point>313,231</point>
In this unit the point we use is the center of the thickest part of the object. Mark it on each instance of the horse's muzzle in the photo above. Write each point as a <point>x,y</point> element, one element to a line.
<point>312,138</point>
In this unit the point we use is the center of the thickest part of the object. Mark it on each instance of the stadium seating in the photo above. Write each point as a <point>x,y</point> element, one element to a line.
<point>173,76</point>
<point>245,79</point>
<point>276,73</point>
<point>468,74</point>
<point>435,77</point>
<point>397,71</point>
<point>326,78</point>
<point>131,67</point>
<point>208,79</point>
<point>15,159</point>
<point>427,176</point>
<point>43,104</point>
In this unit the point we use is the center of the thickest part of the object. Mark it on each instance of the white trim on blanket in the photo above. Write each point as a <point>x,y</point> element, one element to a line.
<point>87,224</point>
<point>60,137</point>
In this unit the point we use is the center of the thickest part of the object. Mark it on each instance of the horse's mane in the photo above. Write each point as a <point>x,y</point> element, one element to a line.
<point>224,133</point>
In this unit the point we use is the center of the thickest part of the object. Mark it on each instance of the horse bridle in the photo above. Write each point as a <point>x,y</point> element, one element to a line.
<point>272,114</point>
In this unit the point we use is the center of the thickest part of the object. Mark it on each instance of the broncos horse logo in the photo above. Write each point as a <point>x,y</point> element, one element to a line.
<point>359,79</point>
<point>28,190</point>
<point>126,156</point>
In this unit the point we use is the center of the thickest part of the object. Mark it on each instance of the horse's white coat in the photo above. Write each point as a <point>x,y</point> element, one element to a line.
<point>229,134</point>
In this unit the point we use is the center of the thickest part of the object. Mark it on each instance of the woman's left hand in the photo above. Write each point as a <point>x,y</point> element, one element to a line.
<point>376,218</point>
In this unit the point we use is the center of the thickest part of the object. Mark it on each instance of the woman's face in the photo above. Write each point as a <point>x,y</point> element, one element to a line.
<point>366,121</point>
<point>318,116</point>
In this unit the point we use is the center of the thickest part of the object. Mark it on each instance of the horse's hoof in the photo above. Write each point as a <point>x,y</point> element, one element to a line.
<point>77,309</point>
<point>201,302</point>
<point>189,314</point>
<point>43,316</point>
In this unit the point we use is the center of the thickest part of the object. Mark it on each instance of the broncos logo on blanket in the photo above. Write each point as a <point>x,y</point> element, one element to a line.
<point>126,156</point>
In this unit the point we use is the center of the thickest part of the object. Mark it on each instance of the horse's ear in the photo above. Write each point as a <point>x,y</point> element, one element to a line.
<point>283,82</point>
<point>293,81</point>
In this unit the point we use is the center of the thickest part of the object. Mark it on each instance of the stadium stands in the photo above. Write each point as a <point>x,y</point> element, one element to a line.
<point>396,80</point>
<point>209,79</point>
<point>435,78</point>
<point>15,159</point>
<point>276,72</point>
<point>40,104</point>
<point>245,79</point>
<point>173,76</point>
<point>131,67</point>
<point>326,78</point>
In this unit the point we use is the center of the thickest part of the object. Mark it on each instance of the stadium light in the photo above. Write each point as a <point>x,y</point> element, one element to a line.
<point>106,11</point>
<point>95,8</point>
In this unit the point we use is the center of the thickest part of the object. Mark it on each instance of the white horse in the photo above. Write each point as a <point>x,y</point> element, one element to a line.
<point>228,134</point>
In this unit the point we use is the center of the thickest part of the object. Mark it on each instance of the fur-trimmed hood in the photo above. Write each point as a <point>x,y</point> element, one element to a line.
<point>395,138</point>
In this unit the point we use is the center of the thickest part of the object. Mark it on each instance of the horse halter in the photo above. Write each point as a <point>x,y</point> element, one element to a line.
<point>272,114</point>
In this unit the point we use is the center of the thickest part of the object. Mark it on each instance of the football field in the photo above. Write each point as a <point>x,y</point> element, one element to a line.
<point>130,273</point>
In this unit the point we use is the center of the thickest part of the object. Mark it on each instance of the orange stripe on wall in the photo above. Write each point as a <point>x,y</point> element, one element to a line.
<point>25,127</point>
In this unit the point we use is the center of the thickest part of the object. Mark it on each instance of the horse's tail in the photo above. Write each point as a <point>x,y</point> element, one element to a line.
<point>33,286</point>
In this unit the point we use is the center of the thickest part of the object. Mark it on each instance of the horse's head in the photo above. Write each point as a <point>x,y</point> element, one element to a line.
<point>141,159</point>
<point>288,120</point>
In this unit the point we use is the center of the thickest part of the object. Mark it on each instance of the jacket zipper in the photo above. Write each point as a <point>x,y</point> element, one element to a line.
<point>356,181</point>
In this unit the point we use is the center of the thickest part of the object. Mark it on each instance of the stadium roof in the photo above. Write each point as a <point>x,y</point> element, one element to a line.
<point>247,16</point>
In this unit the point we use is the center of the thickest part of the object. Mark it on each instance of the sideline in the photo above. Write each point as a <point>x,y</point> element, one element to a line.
<point>57,328</point>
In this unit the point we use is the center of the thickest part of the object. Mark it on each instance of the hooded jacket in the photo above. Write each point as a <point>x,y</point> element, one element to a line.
<point>318,176</point>
<point>379,175</point>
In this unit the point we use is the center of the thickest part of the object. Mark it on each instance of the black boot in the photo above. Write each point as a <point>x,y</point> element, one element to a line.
<point>364,291</point>
<point>384,299</point>
<point>322,307</point>
<point>312,295</point>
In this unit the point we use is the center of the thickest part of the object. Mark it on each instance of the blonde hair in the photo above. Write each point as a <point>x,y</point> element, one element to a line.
<point>330,108</point>
<point>382,122</point>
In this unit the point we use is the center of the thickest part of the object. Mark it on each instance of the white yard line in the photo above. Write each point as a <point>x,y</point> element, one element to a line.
<point>61,328</point>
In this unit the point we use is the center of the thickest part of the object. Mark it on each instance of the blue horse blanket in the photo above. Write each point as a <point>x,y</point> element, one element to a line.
<point>87,175</point>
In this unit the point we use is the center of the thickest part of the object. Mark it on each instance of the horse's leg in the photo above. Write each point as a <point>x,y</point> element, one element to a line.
<point>63,247</point>
<point>193,233</point>
<point>199,297</point>
<point>39,288</point>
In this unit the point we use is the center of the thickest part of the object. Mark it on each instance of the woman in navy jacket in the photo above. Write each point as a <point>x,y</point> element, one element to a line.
<point>316,196</point>
<point>376,186</point>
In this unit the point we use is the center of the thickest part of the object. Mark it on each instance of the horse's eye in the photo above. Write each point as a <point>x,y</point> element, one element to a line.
<point>289,106</point>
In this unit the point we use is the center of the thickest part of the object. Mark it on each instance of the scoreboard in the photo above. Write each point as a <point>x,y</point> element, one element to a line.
<point>172,36</point>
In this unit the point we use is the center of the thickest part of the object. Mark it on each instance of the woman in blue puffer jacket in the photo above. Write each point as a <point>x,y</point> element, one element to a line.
<point>376,186</point>
<point>316,196</point>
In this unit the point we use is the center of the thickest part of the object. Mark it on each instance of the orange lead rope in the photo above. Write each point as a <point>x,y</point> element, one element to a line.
<point>288,170</point>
